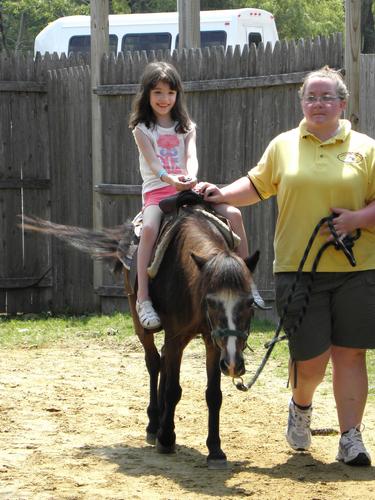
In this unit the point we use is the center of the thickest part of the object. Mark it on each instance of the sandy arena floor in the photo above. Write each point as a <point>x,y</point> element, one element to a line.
<point>72,426</point>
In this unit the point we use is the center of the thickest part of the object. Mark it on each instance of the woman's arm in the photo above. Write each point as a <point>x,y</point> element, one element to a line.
<point>240,193</point>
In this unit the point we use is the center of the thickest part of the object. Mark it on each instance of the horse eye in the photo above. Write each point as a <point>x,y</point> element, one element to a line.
<point>212,303</point>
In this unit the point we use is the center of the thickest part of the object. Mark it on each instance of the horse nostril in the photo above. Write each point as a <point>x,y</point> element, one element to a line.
<point>223,366</point>
<point>241,367</point>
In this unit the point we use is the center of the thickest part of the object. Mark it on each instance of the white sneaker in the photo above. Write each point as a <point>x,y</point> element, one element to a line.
<point>352,450</point>
<point>147,315</point>
<point>298,433</point>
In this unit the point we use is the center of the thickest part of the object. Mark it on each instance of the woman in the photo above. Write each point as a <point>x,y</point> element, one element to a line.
<point>320,167</point>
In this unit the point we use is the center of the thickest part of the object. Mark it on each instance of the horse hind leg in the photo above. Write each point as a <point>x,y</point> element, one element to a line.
<point>169,395</point>
<point>152,360</point>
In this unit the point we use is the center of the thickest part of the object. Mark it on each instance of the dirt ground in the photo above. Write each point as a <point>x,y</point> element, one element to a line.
<point>72,426</point>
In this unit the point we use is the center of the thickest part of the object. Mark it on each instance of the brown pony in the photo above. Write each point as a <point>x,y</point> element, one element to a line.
<point>202,287</point>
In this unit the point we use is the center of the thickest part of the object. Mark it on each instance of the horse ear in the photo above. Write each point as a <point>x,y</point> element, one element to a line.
<point>200,261</point>
<point>252,260</point>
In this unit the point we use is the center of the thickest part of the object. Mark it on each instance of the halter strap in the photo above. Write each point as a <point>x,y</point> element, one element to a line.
<point>219,333</point>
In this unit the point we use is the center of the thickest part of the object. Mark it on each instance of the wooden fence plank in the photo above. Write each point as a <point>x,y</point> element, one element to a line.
<point>367,93</point>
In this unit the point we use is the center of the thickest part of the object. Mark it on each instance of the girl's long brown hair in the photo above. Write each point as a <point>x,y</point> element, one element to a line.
<point>142,112</point>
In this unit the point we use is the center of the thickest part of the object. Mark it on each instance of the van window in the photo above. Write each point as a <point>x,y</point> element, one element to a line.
<point>255,38</point>
<point>82,44</point>
<point>210,39</point>
<point>146,41</point>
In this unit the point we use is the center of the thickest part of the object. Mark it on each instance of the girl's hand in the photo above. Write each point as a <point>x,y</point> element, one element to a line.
<point>183,182</point>
<point>211,192</point>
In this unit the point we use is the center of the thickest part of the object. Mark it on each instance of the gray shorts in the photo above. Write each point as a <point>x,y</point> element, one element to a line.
<point>341,312</point>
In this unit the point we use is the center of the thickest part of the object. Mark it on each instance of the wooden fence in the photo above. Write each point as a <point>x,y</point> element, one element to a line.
<point>367,94</point>
<point>240,101</point>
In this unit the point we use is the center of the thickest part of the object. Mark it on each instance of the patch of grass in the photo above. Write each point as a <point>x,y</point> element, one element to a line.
<point>41,330</point>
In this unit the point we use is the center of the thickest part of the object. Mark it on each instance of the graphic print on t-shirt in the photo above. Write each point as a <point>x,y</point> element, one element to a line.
<point>168,145</point>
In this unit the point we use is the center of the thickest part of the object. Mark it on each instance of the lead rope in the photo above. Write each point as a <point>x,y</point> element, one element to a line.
<point>345,244</point>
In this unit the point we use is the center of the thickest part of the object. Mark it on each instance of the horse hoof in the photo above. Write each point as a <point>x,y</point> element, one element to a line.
<point>151,438</point>
<point>165,449</point>
<point>218,464</point>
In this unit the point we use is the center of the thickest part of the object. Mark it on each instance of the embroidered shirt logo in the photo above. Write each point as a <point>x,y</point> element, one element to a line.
<point>350,157</point>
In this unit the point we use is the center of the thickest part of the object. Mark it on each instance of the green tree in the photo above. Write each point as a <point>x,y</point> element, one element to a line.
<point>222,4</point>
<point>304,18</point>
<point>23,19</point>
<point>368,26</point>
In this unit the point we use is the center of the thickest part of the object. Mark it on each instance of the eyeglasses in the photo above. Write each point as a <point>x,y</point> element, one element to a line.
<point>325,99</point>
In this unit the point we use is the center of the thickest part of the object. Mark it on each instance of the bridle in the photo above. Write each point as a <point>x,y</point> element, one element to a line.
<point>220,333</point>
<point>344,244</point>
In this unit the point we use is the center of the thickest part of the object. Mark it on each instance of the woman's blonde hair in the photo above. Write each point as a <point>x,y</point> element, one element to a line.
<point>331,74</point>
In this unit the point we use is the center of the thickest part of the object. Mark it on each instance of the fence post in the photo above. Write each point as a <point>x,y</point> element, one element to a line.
<point>352,58</point>
<point>99,46</point>
<point>188,24</point>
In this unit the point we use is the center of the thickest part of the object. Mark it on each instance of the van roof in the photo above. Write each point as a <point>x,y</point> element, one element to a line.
<point>167,17</point>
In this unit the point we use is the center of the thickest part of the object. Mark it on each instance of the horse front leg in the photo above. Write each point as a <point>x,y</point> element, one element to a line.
<point>216,457</point>
<point>169,395</point>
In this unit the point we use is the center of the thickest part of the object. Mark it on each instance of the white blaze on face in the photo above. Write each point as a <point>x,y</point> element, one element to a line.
<point>229,301</point>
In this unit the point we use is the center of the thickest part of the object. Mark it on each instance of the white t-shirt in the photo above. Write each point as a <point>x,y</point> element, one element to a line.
<point>169,147</point>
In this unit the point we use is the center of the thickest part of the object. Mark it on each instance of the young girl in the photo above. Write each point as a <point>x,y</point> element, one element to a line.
<point>165,137</point>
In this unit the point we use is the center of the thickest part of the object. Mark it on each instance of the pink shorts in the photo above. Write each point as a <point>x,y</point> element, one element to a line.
<point>153,197</point>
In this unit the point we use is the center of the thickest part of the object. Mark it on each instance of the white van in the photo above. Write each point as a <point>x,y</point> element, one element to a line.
<point>158,31</point>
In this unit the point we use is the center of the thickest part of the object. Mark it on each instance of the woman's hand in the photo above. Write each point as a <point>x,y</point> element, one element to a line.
<point>345,223</point>
<point>210,192</point>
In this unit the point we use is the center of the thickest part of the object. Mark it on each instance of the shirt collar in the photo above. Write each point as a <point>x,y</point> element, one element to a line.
<point>340,135</point>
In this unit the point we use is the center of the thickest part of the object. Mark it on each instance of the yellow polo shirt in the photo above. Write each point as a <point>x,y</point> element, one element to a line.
<point>309,177</point>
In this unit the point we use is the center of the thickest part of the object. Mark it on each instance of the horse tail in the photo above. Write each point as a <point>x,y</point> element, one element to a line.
<point>108,244</point>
